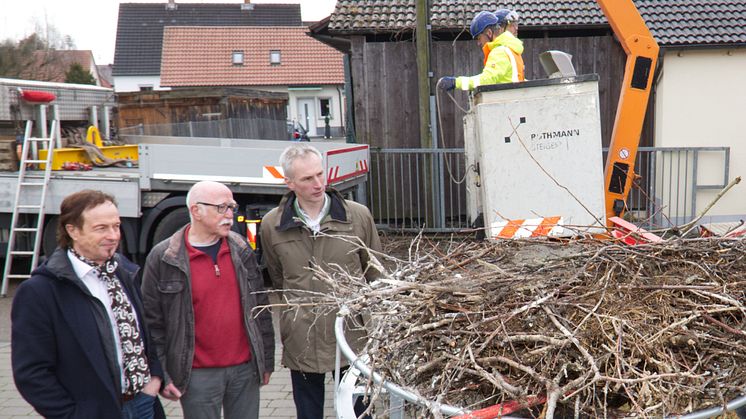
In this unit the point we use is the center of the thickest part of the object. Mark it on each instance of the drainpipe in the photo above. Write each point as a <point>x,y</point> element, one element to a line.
<point>341,120</point>
<point>350,134</point>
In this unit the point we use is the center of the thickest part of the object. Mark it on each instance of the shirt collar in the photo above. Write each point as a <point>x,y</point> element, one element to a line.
<point>315,223</point>
<point>81,268</point>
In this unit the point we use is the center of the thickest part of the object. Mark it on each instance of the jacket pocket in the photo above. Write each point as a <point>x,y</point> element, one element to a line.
<point>171,286</point>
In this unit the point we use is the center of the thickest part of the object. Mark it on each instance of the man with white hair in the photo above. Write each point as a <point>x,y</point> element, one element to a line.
<point>199,289</point>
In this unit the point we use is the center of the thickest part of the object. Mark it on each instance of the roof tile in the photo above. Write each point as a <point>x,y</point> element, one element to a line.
<point>201,56</point>
<point>719,22</point>
<point>140,28</point>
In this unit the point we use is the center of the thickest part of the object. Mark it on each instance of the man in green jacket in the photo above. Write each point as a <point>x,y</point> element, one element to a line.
<point>313,227</point>
<point>502,52</point>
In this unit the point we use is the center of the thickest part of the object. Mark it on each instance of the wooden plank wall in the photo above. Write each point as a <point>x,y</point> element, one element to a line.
<point>384,83</point>
<point>153,108</point>
<point>384,79</point>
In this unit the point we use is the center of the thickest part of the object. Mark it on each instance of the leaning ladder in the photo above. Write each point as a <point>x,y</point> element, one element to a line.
<point>31,193</point>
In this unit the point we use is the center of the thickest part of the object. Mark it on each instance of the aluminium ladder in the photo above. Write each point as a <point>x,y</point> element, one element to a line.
<point>31,193</point>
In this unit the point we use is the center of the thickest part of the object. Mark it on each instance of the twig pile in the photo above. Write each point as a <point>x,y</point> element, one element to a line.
<point>599,329</point>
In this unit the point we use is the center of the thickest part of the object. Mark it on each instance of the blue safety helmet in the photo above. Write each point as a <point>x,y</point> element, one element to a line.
<point>482,21</point>
<point>505,16</point>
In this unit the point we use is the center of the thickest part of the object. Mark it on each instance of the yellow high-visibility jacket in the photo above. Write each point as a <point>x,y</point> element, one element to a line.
<point>503,63</point>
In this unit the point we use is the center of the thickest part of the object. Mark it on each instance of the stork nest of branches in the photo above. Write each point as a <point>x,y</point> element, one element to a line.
<point>596,328</point>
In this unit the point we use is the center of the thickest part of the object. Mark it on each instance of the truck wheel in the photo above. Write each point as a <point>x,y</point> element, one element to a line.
<point>170,224</point>
<point>49,236</point>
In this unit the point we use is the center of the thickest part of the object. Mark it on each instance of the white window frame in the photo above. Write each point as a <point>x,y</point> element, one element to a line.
<point>272,54</point>
<point>237,54</point>
<point>331,107</point>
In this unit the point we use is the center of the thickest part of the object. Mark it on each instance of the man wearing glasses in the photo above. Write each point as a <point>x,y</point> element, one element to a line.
<point>199,289</point>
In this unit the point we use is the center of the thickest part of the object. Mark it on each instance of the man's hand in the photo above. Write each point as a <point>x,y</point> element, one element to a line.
<point>265,379</point>
<point>447,83</point>
<point>151,388</point>
<point>171,392</point>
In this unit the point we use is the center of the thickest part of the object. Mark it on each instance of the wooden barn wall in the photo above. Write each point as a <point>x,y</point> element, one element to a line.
<point>384,83</point>
<point>151,109</point>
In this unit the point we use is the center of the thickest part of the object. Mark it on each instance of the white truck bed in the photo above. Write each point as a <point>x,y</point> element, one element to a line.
<point>175,163</point>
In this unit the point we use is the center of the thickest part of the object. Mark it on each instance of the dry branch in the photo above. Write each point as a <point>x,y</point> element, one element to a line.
<point>597,328</point>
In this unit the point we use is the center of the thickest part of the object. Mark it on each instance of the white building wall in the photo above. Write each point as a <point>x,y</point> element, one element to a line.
<point>701,102</point>
<point>303,95</point>
<point>136,83</point>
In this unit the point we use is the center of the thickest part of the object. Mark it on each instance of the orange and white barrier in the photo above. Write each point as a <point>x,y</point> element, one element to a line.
<point>631,234</point>
<point>272,172</point>
<point>532,227</point>
<point>252,227</point>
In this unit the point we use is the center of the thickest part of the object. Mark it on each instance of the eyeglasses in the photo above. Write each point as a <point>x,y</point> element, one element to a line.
<point>222,208</point>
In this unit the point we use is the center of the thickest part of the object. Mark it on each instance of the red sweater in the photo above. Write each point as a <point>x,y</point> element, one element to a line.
<point>220,338</point>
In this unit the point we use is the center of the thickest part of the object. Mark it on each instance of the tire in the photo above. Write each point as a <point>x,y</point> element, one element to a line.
<point>49,236</point>
<point>170,224</point>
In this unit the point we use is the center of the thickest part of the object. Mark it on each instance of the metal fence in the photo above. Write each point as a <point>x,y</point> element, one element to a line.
<point>671,180</point>
<point>425,189</point>
<point>256,128</point>
<point>418,189</point>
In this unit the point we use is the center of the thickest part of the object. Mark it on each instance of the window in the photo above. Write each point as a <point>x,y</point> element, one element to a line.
<point>274,57</point>
<point>146,87</point>
<point>237,58</point>
<point>325,104</point>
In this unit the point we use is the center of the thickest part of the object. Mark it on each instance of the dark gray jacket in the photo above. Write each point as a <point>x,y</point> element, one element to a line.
<point>167,297</point>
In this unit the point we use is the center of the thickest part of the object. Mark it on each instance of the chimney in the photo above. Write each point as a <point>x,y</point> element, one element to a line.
<point>171,5</point>
<point>247,5</point>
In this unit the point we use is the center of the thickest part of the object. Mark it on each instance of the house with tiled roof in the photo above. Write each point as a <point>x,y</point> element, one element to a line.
<point>698,96</point>
<point>53,65</point>
<point>139,40</point>
<point>270,58</point>
<point>104,73</point>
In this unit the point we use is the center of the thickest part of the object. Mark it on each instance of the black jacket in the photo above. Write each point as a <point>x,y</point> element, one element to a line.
<point>62,344</point>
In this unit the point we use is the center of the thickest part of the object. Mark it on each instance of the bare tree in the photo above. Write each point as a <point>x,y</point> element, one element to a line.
<point>36,57</point>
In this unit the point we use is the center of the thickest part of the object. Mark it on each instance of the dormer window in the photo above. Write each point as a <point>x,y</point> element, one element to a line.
<point>274,57</point>
<point>237,58</point>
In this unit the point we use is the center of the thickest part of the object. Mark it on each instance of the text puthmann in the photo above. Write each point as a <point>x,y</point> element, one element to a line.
<point>548,135</point>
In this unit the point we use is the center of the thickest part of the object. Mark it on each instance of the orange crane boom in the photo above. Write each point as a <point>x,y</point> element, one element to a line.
<point>642,56</point>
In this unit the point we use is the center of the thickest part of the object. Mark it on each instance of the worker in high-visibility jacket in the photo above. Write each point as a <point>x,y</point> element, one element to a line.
<point>502,52</point>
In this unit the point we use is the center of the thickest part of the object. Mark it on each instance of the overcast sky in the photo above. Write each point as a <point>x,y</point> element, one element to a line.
<point>92,24</point>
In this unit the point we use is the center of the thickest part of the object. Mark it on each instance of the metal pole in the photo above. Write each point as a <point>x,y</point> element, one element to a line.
<point>349,103</point>
<point>439,204</point>
<point>359,364</point>
<point>56,126</point>
<point>105,122</point>
<point>41,127</point>
<point>93,116</point>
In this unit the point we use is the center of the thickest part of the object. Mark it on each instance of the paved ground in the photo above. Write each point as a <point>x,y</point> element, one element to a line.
<point>276,397</point>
